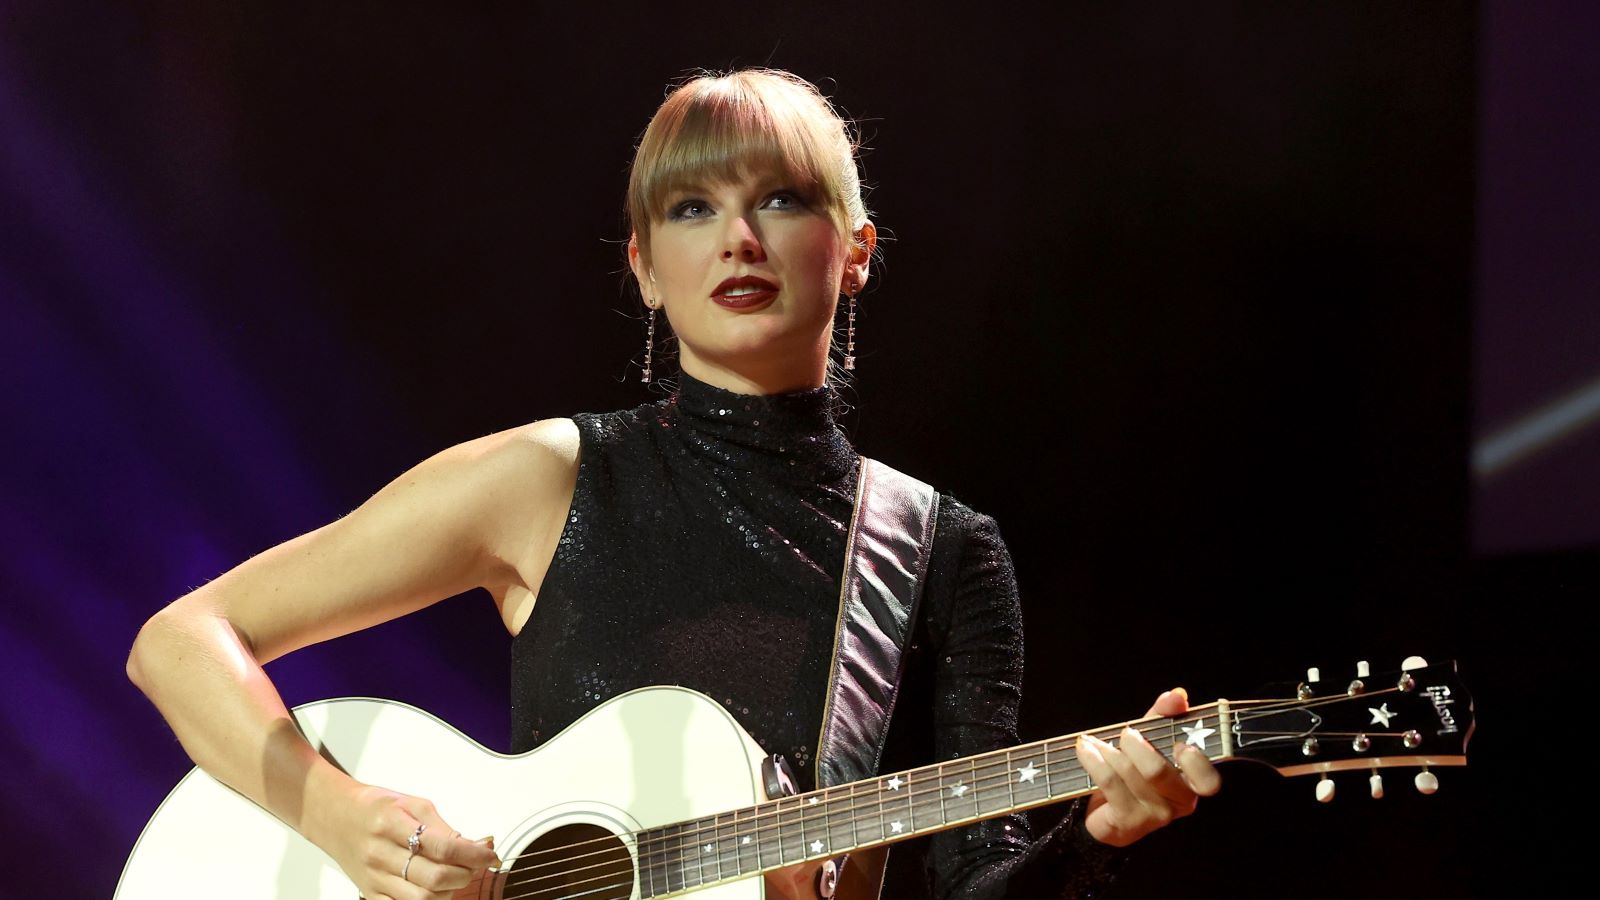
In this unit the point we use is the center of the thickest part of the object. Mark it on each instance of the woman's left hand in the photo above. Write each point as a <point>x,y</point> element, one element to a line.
<point>1140,789</point>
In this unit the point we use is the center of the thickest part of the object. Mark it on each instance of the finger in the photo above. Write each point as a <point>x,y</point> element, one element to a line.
<point>1202,777</point>
<point>1171,703</point>
<point>418,870</point>
<point>1154,778</point>
<point>443,844</point>
<point>1148,777</point>
<point>453,849</point>
<point>1092,755</point>
<point>434,876</point>
<point>398,888</point>
<point>429,871</point>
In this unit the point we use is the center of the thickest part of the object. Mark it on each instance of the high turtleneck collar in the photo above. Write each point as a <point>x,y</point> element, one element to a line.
<point>793,433</point>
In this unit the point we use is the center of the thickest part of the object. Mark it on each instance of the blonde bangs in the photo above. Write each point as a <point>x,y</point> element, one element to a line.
<point>724,128</point>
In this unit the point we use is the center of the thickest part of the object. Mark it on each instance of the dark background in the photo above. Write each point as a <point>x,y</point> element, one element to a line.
<point>1183,294</point>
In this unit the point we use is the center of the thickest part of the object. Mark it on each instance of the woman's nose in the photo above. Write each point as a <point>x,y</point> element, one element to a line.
<point>742,242</point>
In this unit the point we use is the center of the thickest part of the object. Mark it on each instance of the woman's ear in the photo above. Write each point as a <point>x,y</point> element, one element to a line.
<point>641,270</point>
<point>862,244</point>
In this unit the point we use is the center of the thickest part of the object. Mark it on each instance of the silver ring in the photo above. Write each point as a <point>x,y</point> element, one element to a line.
<point>413,844</point>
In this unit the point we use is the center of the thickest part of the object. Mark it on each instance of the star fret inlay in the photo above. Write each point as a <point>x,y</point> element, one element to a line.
<point>1198,732</point>
<point>894,783</point>
<point>958,789</point>
<point>897,826</point>
<point>1026,773</point>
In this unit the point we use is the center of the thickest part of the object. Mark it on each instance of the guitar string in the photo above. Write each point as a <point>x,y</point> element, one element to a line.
<point>990,771</point>
<point>928,800</point>
<point>758,817</point>
<point>986,772</point>
<point>988,775</point>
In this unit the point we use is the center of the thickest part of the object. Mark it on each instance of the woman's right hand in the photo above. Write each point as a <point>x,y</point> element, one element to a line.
<point>368,837</point>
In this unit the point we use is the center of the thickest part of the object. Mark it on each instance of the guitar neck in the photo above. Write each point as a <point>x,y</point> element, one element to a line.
<point>836,820</point>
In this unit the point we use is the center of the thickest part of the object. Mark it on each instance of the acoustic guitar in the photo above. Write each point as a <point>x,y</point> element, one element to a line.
<point>659,792</point>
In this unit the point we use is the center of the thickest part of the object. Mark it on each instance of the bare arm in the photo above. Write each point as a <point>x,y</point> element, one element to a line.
<point>485,513</point>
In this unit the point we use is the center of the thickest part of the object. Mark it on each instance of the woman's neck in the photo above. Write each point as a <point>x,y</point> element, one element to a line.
<point>780,378</point>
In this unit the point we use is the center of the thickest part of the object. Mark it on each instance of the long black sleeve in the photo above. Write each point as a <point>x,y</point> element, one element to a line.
<point>969,665</point>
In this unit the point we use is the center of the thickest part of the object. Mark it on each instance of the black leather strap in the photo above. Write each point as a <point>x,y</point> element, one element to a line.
<point>886,563</point>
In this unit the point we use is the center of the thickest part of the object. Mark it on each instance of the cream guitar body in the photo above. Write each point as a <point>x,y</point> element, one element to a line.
<point>645,759</point>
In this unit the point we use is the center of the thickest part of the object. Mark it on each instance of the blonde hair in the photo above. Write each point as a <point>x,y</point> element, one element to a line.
<point>721,127</point>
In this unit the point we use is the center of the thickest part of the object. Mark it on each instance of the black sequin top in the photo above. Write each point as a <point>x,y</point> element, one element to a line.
<point>705,548</point>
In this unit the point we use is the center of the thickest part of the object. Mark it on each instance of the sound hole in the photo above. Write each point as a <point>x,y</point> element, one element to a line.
<point>573,861</point>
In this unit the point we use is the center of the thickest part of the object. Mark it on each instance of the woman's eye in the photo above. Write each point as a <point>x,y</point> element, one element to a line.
<point>690,209</point>
<point>784,200</point>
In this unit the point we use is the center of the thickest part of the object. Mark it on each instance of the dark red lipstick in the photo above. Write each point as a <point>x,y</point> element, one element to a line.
<point>744,292</point>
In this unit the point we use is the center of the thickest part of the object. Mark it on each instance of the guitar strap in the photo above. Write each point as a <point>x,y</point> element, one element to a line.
<point>886,564</point>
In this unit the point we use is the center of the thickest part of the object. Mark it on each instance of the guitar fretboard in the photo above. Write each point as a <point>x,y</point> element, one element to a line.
<point>893,807</point>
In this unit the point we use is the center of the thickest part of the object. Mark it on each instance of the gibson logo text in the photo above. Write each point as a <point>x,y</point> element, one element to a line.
<point>1442,702</point>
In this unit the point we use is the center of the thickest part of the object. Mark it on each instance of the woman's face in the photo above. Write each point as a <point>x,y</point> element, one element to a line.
<point>748,274</point>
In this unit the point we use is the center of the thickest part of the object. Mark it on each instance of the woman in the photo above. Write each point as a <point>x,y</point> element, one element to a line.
<point>697,541</point>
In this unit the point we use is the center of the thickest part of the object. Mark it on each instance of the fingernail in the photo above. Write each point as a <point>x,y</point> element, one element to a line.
<point>1181,693</point>
<point>1137,734</point>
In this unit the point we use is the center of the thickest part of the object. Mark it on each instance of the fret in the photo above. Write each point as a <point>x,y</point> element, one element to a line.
<point>840,818</point>
<point>879,794</point>
<point>777,837</point>
<point>767,836</point>
<point>926,801</point>
<point>1011,780</point>
<point>694,845</point>
<point>727,846</point>
<point>1058,772</point>
<point>644,849</point>
<point>845,833</point>
<point>747,847</point>
<point>816,824</point>
<point>791,831</point>
<point>957,793</point>
<point>991,778</point>
<point>673,863</point>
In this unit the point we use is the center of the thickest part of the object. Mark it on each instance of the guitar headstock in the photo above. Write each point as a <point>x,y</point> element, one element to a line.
<point>1419,716</point>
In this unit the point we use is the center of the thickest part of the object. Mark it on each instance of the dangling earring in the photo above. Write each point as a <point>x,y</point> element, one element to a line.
<point>649,345</point>
<point>850,332</point>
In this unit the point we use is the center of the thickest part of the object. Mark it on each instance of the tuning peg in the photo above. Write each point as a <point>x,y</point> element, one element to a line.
<point>1376,783</point>
<point>1426,782</point>
<point>1325,789</point>
<point>1363,670</point>
<point>1304,692</point>
<point>1413,662</point>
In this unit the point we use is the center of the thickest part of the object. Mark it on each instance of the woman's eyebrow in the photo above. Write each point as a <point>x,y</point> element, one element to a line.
<point>689,187</point>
